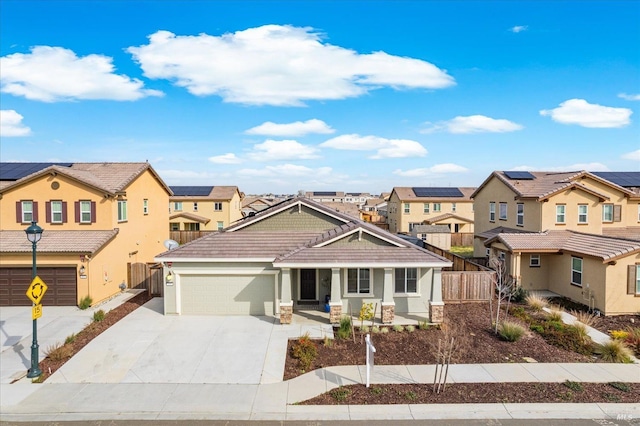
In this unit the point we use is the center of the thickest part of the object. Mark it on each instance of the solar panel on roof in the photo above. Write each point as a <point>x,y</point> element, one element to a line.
<point>624,179</point>
<point>437,192</point>
<point>15,171</point>
<point>519,175</point>
<point>325,194</point>
<point>191,191</point>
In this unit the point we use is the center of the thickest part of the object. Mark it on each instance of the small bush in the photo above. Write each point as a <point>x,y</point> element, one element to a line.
<point>365,329</point>
<point>574,386</point>
<point>398,328</point>
<point>98,315</point>
<point>585,317</point>
<point>328,341</point>
<point>555,315</point>
<point>375,329</point>
<point>59,352</point>
<point>384,330</point>
<point>340,394</point>
<point>344,331</point>
<point>619,334</point>
<point>633,339</point>
<point>411,396</point>
<point>305,351</point>
<point>537,328</point>
<point>510,331</point>
<point>423,325</point>
<point>581,332</point>
<point>376,390</point>
<point>536,302</point>
<point>85,302</point>
<point>70,338</point>
<point>520,295</point>
<point>411,328</point>
<point>621,386</point>
<point>614,351</point>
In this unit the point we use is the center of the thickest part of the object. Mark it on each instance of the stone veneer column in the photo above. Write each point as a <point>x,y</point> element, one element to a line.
<point>388,307</point>
<point>436,305</point>
<point>335,304</point>
<point>286,304</point>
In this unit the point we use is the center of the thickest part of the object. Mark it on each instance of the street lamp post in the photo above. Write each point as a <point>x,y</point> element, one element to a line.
<point>34,233</point>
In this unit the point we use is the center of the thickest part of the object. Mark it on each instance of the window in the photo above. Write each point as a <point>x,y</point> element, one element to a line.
<point>358,281</point>
<point>607,212</point>
<point>407,208</point>
<point>27,211</point>
<point>413,225</point>
<point>576,271</point>
<point>502,255</point>
<point>174,226</point>
<point>195,207</point>
<point>122,210</point>
<point>220,225</point>
<point>192,226</point>
<point>637,279</point>
<point>534,260</point>
<point>437,207</point>
<point>520,214</point>
<point>217,207</point>
<point>503,211</point>
<point>492,211</point>
<point>177,206</point>
<point>453,207</point>
<point>406,280</point>
<point>85,211</point>
<point>582,213</point>
<point>560,213</point>
<point>425,208</point>
<point>56,211</point>
<point>487,252</point>
<point>145,206</point>
<point>423,237</point>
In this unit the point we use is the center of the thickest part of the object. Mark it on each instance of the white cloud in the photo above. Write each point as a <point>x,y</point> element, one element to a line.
<point>474,124</point>
<point>386,148</point>
<point>630,97</point>
<point>271,150</point>
<point>279,65</point>
<point>519,28</point>
<point>52,74</point>
<point>11,124</point>
<point>582,113</point>
<point>591,167</point>
<point>229,158</point>
<point>429,171</point>
<point>286,170</point>
<point>298,128</point>
<point>633,155</point>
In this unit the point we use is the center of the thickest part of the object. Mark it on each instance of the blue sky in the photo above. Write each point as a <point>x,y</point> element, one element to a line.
<point>323,95</point>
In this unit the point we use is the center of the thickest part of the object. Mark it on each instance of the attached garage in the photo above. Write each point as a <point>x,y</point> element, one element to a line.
<point>61,283</point>
<point>227,294</point>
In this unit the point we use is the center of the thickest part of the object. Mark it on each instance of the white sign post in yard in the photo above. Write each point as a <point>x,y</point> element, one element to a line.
<point>370,351</point>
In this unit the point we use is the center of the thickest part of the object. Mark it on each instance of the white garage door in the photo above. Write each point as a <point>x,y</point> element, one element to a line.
<point>227,295</point>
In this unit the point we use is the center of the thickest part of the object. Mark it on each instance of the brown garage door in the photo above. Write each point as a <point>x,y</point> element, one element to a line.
<point>61,283</point>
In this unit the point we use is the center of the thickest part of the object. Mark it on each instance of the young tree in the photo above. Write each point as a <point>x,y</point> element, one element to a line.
<point>504,286</point>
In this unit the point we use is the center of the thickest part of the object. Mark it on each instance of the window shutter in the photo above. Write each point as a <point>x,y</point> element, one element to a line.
<point>64,212</point>
<point>35,211</point>
<point>47,211</point>
<point>19,211</point>
<point>617,213</point>
<point>76,206</point>
<point>631,279</point>
<point>93,212</point>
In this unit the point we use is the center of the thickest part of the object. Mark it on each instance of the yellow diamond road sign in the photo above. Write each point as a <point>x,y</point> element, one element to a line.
<point>36,290</point>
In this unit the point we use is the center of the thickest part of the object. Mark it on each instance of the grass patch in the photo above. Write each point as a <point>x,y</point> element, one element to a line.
<point>574,386</point>
<point>341,394</point>
<point>614,351</point>
<point>98,315</point>
<point>621,386</point>
<point>510,331</point>
<point>464,251</point>
<point>536,302</point>
<point>70,338</point>
<point>344,330</point>
<point>85,303</point>
<point>59,352</point>
<point>398,328</point>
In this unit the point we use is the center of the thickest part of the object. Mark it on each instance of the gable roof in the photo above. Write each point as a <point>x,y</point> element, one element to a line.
<point>445,216</point>
<point>407,194</point>
<point>191,216</point>
<point>109,178</point>
<point>87,242</point>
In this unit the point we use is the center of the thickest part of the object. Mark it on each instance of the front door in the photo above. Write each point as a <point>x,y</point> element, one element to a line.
<point>307,284</point>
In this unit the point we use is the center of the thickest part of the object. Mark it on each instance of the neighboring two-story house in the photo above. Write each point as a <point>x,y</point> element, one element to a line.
<point>575,233</point>
<point>204,208</point>
<point>357,198</point>
<point>96,218</point>
<point>451,206</point>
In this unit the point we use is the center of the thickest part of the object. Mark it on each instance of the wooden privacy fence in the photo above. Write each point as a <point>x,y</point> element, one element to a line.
<point>183,237</point>
<point>146,276</point>
<point>459,287</point>
<point>462,239</point>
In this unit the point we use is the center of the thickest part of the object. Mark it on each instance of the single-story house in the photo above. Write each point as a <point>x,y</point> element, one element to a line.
<point>301,252</point>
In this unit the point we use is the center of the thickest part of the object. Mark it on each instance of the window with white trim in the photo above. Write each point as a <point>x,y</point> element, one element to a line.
<point>492,211</point>
<point>85,211</point>
<point>358,281</point>
<point>145,206</point>
<point>122,210</point>
<point>503,211</point>
<point>520,214</point>
<point>56,211</point>
<point>220,225</point>
<point>217,207</point>
<point>407,208</point>
<point>454,207</point>
<point>177,206</point>
<point>437,207</point>
<point>406,280</point>
<point>637,279</point>
<point>174,226</point>
<point>425,208</point>
<point>534,260</point>
<point>195,206</point>
<point>607,212</point>
<point>576,271</point>
<point>583,216</point>
<point>27,211</point>
<point>560,213</point>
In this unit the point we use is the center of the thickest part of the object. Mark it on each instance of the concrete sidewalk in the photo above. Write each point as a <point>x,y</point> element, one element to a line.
<point>276,401</point>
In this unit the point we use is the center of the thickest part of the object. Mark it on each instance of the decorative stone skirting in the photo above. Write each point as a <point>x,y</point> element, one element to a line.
<point>286,312</point>
<point>388,313</point>
<point>335,313</point>
<point>436,312</point>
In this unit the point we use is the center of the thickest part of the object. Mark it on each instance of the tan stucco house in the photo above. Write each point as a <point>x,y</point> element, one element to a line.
<point>573,233</point>
<point>299,252</point>
<point>96,217</point>
<point>411,206</point>
<point>204,208</point>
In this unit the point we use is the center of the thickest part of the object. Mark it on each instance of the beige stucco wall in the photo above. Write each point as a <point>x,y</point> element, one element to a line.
<point>617,300</point>
<point>399,221</point>
<point>571,199</point>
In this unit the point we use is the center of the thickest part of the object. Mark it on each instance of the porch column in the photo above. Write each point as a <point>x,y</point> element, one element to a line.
<point>335,304</point>
<point>286,304</point>
<point>388,305</point>
<point>436,305</point>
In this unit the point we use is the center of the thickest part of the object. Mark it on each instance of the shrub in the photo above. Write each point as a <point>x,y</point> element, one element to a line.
<point>537,328</point>
<point>98,315</point>
<point>555,314</point>
<point>536,302</point>
<point>398,328</point>
<point>305,351</point>
<point>565,337</point>
<point>614,351</point>
<point>619,334</point>
<point>411,396</point>
<point>411,328</point>
<point>423,325</point>
<point>328,341</point>
<point>85,302</point>
<point>581,331</point>
<point>340,394</point>
<point>59,352</point>
<point>519,295</point>
<point>375,329</point>
<point>510,331</point>
<point>366,313</point>
<point>633,339</point>
<point>621,386</point>
<point>344,331</point>
<point>376,390</point>
<point>70,338</point>
<point>585,317</point>
<point>365,329</point>
<point>574,386</point>
<point>384,330</point>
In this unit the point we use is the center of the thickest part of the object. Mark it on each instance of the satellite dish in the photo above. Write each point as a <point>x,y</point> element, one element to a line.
<point>170,244</point>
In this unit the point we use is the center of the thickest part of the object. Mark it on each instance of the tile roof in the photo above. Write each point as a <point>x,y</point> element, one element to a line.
<point>56,241</point>
<point>430,229</point>
<point>191,216</point>
<point>603,247</point>
<point>490,233</point>
<point>628,232</point>
<point>405,193</point>
<point>355,256</point>
<point>447,216</point>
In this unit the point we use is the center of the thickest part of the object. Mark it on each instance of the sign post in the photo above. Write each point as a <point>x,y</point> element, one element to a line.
<point>370,351</point>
